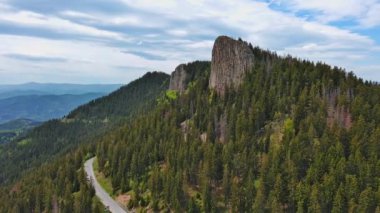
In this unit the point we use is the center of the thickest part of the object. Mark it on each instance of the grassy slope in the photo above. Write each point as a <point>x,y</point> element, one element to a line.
<point>103,181</point>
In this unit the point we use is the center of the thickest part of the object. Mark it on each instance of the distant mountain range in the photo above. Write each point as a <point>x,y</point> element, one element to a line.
<point>42,107</point>
<point>7,91</point>
<point>41,102</point>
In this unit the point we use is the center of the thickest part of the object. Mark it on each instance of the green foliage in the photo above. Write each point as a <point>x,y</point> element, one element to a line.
<point>59,185</point>
<point>172,94</point>
<point>24,142</point>
<point>136,97</point>
<point>103,181</point>
<point>289,126</point>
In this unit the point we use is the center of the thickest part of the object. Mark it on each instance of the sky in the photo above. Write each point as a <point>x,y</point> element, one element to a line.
<point>116,41</point>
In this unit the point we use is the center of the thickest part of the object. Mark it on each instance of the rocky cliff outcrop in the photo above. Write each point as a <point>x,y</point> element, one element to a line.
<point>231,59</point>
<point>186,73</point>
<point>337,114</point>
<point>178,79</point>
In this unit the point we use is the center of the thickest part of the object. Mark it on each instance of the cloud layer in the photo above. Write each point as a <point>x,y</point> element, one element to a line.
<point>115,41</point>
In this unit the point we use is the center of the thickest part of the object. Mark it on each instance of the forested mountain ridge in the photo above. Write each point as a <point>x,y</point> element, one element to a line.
<point>185,74</point>
<point>82,125</point>
<point>137,96</point>
<point>289,136</point>
<point>42,102</point>
<point>42,107</point>
<point>7,91</point>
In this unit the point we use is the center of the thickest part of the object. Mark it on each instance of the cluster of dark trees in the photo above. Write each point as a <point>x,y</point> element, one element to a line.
<point>295,137</point>
<point>58,186</point>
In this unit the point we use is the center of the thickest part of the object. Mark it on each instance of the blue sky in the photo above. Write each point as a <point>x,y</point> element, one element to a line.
<point>116,41</point>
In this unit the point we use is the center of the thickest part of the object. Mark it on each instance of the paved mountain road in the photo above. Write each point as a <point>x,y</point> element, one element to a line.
<point>104,197</point>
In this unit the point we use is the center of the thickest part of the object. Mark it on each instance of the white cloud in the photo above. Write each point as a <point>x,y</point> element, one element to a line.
<point>158,5</point>
<point>93,61</point>
<point>182,31</point>
<point>201,44</point>
<point>37,20</point>
<point>275,30</point>
<point>372,17</point>
<point>254,21</point>
<point>109,19</point>
<point>365,12</point>
<point>76,14</point>
<point>177,32</point>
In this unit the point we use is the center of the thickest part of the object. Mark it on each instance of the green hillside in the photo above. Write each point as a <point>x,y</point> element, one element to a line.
<point>295,136</point>
<point>83,125</point>
<point>15,128</point>
<point>270,146</point>
<point>42,107</point>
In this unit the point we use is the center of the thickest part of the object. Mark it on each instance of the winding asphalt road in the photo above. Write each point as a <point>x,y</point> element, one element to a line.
<point>100,192</point>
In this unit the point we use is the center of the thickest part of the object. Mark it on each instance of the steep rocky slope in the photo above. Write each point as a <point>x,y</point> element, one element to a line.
<point>178,79</point>
<point>186,73</point>
<point>231,60</point>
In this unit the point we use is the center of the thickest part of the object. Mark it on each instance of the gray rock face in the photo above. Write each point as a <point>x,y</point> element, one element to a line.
<point>178,79</point>
<point>231,59</point>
